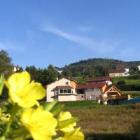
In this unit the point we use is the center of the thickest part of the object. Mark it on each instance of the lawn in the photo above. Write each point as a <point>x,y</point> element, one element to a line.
<point>126,80</point>
<point>133,94</point>
<point>99,122</point>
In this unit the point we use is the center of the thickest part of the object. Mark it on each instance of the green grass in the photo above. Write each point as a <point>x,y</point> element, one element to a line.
<point>127,80</point>
<point>132,93</point>
<point>102,122</point>
<point>80,104</point>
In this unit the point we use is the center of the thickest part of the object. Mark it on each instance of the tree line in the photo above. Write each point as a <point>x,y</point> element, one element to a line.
<point>79,71</point>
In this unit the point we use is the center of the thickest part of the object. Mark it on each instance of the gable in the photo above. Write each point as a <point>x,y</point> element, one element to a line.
<point>63,82</point>
<point>114,90</point>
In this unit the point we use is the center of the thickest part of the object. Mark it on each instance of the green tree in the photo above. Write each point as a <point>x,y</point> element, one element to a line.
<point>44,76</point>
<point>52,74</point>
<point>34,72</point>
<point>134,70</point>
<point>67,73</point>
<point>100,71</point>
<point>6,66</point>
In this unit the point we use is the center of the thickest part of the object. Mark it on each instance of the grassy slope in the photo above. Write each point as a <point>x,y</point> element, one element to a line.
<point>127,81</point>
<point>107,122</point>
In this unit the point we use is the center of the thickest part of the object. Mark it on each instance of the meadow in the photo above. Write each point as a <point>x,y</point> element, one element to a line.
<point>107,122</point>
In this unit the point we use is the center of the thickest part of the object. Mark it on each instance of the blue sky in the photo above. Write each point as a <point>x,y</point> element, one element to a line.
<point>58,32</point>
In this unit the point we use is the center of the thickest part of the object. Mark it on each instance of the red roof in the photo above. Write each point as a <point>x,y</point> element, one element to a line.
<point>99,79</point>
<point>91,85</point>
<point>117,71</point>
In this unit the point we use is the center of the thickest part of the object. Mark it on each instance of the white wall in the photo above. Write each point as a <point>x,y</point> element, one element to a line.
<point>92,94</point>
<point>50,87</point>
<point>64,98</point>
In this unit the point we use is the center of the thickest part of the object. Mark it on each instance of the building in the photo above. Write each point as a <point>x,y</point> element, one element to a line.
<point>61,90</point>
<point>138,67</point>
<point>99,89</point>
<point>119,73</point>
<point>105,79</point>
<point>91,91</point>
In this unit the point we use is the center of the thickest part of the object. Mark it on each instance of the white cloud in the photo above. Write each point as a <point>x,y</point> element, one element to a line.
<point>98,46</point>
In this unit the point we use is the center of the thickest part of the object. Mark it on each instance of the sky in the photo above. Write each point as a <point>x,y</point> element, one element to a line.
<point>59,32</point>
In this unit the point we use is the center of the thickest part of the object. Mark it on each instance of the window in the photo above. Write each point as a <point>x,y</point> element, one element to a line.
<point>67,83</point>
<point>61,91</point>
<point>69,90</point>
<point>66,91</point>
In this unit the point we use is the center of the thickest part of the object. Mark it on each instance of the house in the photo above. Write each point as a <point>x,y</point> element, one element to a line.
<point>99,89</point>
<point>91,91</point>
<point>138,67</point>
<point>119,72</point>
<point>62,90</point>
<point>105,79</point>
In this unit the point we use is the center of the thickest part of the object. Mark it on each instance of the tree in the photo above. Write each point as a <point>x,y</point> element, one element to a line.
<point>67,73</point>
<point>6,66</point>
<point>33,72</point>
<point>52,74</point>
<point>134,70</point>
<point>100,71</point>
<point>44,76</point>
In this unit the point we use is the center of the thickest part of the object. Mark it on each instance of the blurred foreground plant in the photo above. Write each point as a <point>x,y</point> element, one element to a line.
<point>23,118</point>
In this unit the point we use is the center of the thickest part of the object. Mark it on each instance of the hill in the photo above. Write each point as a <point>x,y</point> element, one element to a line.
<point>97,67</point>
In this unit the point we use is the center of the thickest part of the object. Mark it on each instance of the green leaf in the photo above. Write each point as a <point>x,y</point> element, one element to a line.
<point>57,109</point>
<point>50,106</point>
<point>1,83</point>
<point>67,122</point>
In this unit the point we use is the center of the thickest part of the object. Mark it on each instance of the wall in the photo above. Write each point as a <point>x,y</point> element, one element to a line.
<point>50,87</point>
<point>92,94</point>
<point>63,98</point>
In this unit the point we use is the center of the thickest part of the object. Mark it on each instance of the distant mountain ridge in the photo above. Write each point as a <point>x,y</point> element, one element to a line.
<point>103,65</point>
<point>95,60</point>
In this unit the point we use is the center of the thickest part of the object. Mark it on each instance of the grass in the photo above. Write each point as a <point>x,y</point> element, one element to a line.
<point>132,93</point>
<point>101,122</point>
<point>127,81</point>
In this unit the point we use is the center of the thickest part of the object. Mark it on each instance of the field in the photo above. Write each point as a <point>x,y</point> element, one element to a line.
<point>127,81</point>
<point>133,94</point>
<point>99,122</point>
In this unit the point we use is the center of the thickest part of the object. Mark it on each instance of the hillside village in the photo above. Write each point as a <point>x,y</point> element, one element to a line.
<point>63,84</point>
<point>100,88</point>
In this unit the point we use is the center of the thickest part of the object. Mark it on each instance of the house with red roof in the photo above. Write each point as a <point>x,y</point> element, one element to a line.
<point>119,72</point>
<point>99,89</point>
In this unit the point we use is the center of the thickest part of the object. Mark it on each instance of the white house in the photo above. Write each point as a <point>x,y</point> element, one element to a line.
<point>68,90</point>
<point>61,90</point>
<point>119,73</point>
<point>139,67</point>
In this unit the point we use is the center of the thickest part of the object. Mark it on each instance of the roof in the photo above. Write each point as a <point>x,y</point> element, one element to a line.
<point>99,79</point>
<point>117,71</point>
<point>91,85</point>
<point>70,78</point>
<point>63,87</point>
<point>61,79</point>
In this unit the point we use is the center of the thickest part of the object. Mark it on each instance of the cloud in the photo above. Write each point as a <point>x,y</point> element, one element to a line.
<point>100,46</point>
<point>68,36</point>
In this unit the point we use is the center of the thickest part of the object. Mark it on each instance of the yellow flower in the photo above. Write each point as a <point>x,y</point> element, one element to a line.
<point>40,123</point>
<point>66,122</point>
<point>73,135</point>
<point>22,91</point>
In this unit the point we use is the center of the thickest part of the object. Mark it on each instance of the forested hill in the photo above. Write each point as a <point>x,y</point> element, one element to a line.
<point>97,67</point>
